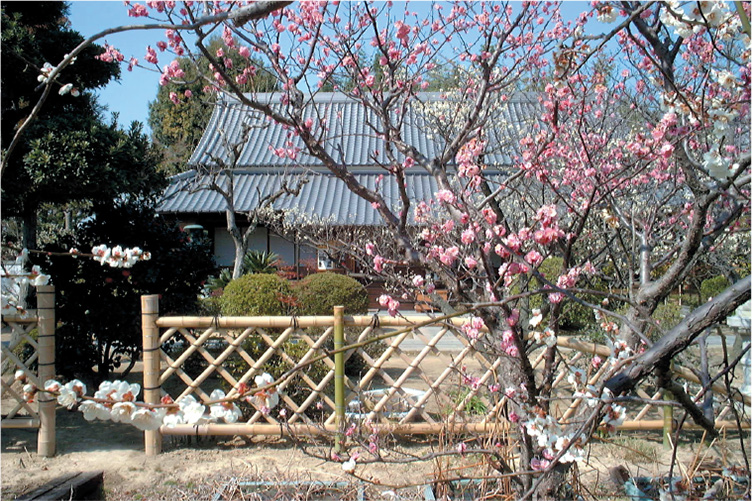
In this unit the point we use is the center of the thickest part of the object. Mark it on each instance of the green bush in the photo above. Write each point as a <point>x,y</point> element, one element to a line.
<point>257,295</point>
<point>667,315</point>
<point>297,389</point>
<point>573,315</point>
<point>711,287</point>
<point>254,262</point>
<point>319,293</point>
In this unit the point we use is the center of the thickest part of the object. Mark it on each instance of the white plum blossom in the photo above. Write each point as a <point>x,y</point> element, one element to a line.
<point>117,257</point>
<point>37,277</point>
<point>536,319</point>
<point>118,390</point>
<point>46,70</point>
<point>349,465</point>
<point>574,453</point>
<point>94,410</point>
<point>148,419</point>
<point>224,410</point>
<point>67,398</point>
<point>589,394</point>
<point>547,337</point>
<point>724,78</point>
<point>30,390</point>
<point>193,411</point>
<point>607,13</point>
<point>263,379</point>
<point>122,412</point>
<point>577,378</point>
<point>615,416</point>
<point>267,398</point>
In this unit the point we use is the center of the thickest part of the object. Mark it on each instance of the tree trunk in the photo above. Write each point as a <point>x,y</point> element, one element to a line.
<point>29,218</point>
<point>554,484</point>
<point>237,267</point>
<point>681,336</point>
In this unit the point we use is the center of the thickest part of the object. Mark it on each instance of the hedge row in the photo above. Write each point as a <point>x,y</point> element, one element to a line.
<point>267,294</point>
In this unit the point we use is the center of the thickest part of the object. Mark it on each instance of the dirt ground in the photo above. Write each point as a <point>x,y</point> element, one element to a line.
<point>205,468</point>
<point>191,469</point>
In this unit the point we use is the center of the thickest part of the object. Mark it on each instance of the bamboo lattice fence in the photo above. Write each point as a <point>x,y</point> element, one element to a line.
<point>399,390</point>
<point>36,358</point>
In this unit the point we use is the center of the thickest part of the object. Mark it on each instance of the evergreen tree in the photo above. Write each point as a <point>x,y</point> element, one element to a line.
<point>69,152</point>
<point>179,114</point>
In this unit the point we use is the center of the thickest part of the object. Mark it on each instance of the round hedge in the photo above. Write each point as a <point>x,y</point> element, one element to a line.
<point>711,287</point>
<point>319,293</point>
<point>573,315</point>
<point>256,295</point>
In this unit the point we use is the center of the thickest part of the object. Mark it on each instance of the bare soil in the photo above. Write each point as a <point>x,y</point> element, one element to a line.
<point>205,468</point>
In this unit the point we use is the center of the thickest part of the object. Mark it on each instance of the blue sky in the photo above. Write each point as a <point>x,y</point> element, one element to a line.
<point>130,96</point>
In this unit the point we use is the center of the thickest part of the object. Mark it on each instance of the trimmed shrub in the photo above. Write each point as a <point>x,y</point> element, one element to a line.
<point>711,287</point>
<point>297,389</point>
<point>573,315</point>
<point>319,293</point>
<point>256,295</point>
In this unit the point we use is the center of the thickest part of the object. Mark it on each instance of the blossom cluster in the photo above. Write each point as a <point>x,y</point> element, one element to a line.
<point>116,257</point>
<point>46,73</point>
<point>116,401</point>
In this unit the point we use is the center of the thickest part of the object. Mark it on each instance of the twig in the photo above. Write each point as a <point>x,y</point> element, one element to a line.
<point>727,380</point>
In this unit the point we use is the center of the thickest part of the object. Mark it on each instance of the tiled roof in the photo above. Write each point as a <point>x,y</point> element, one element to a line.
<point>323,198</point>
<point>349,139</point>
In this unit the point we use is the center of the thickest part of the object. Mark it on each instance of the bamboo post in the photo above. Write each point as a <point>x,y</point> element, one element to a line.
<point>339,375</point>
<point>150,333</point>
<point>46,443</point>
<point>668,420</point>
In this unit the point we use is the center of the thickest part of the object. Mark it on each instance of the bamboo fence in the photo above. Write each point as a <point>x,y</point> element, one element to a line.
<point>38,364</point>
<point>398,390</point>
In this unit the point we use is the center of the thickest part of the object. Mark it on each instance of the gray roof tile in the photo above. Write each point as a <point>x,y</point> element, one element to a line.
<point>324,198</point>
<point>349,140</point>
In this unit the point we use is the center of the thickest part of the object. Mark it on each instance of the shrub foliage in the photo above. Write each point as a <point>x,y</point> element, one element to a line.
<point>318,294</point>
<point>711,287</point>
<point>257,295</point>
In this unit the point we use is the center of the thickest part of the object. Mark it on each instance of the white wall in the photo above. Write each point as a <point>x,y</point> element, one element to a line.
<point>283,248</point>
<point>224,250</point>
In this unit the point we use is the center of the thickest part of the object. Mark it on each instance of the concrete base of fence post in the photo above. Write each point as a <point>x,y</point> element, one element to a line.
<point>151,359</point>
<point>46,441</point>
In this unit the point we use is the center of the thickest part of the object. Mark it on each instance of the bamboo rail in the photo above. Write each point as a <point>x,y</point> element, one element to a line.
<point>449,413</point>
<point>327,429</point>
<point>339,375</point>
<point>215,429</point>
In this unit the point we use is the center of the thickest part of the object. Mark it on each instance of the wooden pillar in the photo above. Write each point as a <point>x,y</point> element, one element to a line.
<point>46,445</point>
<point>152,394</point>
<point>339,375</point>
